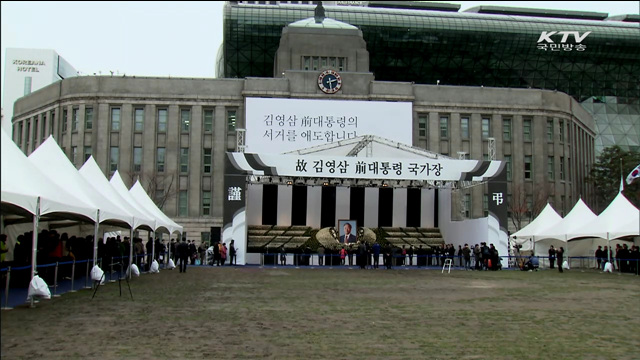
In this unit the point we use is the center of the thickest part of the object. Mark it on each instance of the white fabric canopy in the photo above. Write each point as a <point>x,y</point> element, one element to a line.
<point>118,185</point>
<point>576,219</point>
<point>91,172</point>
<point>141,196</point>
<point>619,219</point>
<point>49,158</point>
<point>23,183</point>
<point>548,218</point>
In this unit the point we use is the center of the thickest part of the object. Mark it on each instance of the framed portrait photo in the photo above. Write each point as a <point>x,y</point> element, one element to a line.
<point>348,230</point>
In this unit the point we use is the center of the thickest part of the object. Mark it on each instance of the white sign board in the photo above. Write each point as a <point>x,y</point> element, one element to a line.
<point>364,168</point>
<point>281,125</point>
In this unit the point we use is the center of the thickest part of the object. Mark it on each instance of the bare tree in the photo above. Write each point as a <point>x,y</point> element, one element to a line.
<point>542,198</point>
<point>160,188</point>
<point>518,206</point>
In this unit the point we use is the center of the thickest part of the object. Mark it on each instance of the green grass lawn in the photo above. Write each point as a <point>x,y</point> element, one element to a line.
<point>250,312</point>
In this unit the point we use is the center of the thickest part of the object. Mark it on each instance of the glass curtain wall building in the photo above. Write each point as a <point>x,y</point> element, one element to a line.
<point>590,56</point>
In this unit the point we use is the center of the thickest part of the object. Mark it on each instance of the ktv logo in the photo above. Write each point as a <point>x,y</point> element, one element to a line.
<point>546,42</point>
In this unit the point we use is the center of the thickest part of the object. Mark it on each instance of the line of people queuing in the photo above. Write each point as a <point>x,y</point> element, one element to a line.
<point>624,259</point>
<point>54,247</point>
<point>368,255</point>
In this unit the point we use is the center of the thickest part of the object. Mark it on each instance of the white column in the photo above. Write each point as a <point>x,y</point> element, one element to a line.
<point>371,200</point>
<point>314,205</point>
<point>427,211</point>
<point>254,204</point>
<point>399,218</point>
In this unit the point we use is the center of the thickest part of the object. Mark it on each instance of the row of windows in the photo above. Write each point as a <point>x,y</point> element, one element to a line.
<point>528,167</point>
<point>527,128</point>
<point>183,203</point>
<point>138,119</point>
<point>320,62</point>
<point>163,116</point>
<point>18,128</point>
<point>114,158</point>
<point>467,203</point>
<point>114,154</point>
<point>115,123</point>
<point>529,205</point>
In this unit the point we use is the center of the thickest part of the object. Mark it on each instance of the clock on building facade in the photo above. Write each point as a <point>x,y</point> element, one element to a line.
<point>329,81</point>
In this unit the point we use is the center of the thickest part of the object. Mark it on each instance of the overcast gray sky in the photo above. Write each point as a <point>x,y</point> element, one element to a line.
<point>159,38</point>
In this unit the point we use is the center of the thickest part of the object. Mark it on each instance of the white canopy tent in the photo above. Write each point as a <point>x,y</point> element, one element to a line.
<point>50,158</point>
<point>560,233</point>
<point>141,196</point>
<point>160,225</point>
<point>92,173</point>
<point>23,185</point>
<point>618,220</point>
<point>577,218</point>
<point>118,185</point>
<point>528,235</point>
<point>28,191</point>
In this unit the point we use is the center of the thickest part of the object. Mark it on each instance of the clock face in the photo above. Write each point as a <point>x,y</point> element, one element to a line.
<point>329,81</point>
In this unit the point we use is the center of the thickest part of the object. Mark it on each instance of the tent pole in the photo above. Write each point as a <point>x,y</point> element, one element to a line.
<point>609,252</point>
<point>153,249</point>
<point>36,219</point>
<point>168,248</point>
<point>533,240</point>
<point>34,245</point>
<point>95,239</point>
<point>130,251</point>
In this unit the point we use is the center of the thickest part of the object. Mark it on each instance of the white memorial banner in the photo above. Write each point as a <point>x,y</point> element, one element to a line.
<point>364,168</point>
<point>277,126</point>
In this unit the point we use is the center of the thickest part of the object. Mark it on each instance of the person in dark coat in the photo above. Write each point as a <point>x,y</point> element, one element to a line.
<point>362,255</point>
<point>193,252</point>
<point>216,253</point>
<point>182,252</point>
<point>560,256</point>
<point>232,253</point>
<point>376,249</point>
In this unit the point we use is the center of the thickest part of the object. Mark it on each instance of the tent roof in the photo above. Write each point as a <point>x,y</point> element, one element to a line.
<point>23,183</point>
<point>576,219</point>
<point>49,158</point>
<point>547,218</point>
<point>91,172</point>
<point>121,188</point>
<point>143,199</point>
<point>619,219</point>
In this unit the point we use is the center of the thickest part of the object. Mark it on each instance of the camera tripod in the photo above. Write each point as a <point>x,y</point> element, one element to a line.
<point>98,282</point>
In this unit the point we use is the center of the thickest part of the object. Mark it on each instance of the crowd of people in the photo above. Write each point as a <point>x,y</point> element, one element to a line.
<point>624,259</point>
<point>112,253</point>
<point>366,255</point>
<point>55,247</point>
<point>185,252</point>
